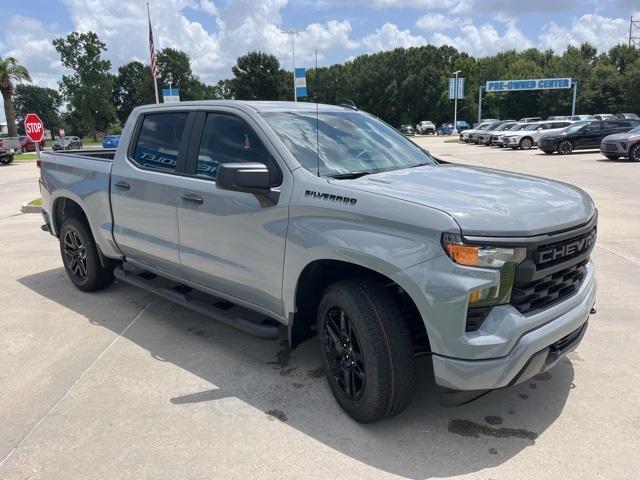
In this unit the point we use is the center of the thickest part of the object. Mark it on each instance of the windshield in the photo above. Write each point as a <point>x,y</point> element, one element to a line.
<point>518,126</point>
<point>348,142</point>
<point>575,127</point>
<point>532,126</point>
<point>506,126</point>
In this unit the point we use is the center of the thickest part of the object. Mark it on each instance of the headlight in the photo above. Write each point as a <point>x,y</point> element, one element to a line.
<point>503,259</point>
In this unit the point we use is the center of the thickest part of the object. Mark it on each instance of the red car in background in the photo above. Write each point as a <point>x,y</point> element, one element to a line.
<point>26,145</point>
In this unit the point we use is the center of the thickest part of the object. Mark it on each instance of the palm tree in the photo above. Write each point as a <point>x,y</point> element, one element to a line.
<point>10,71</point>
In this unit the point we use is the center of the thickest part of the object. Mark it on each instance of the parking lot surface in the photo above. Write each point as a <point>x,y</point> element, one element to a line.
<point>119,384</point>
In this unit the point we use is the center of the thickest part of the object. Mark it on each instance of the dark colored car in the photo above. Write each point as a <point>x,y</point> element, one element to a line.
<point>622,145</point>
<point>26,145</point>
<point>583,135</point>
<point>111,141</point>
<point>447,128</point>
<point>67,143</point>
<point>6,157</point>
<point>407,130</point>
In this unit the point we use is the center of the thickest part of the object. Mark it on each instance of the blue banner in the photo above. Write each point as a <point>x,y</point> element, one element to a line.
<point>456,86</point>
<point>528,84</point>
<point>301,82</point>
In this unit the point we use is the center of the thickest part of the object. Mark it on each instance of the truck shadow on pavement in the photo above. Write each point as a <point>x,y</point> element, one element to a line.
<point>286,386</point>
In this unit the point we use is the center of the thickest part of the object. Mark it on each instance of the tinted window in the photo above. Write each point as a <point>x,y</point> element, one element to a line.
<point>228,139</point>
<point>159,140</point>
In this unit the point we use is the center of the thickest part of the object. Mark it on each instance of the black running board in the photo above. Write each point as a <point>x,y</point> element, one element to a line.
<point>222,311</point>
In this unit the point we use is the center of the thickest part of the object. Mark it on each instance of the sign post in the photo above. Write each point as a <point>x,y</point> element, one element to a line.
<point>34,128</point>
<point>456,91</point>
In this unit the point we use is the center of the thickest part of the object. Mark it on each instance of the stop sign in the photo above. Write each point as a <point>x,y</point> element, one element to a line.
<point>34,127</point>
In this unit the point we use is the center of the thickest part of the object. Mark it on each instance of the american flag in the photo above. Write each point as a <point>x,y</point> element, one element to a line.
<point>152,53</point>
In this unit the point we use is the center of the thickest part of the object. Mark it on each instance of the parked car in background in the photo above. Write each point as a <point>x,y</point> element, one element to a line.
<point>473,136</point>
<point>581,118</point>
<point>426,127</point>
<point>111,141</point>
<point>407,130</point>
<point>530,119</point>
<point>605,116</point>
<point>622,145</point>
<point>67,143</point>
<point>464,136</point>
<point>447,128</point>
<point>558,117</point>
<point>530,135</point>
<point>484,120</point>
<point>583,135</point>
<point>26,145</point>
<point>497,138</point>
<point>627,116</point>
<point>485,136</point>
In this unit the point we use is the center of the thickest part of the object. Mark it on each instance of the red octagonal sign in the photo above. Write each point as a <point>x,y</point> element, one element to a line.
<point>34,127</point>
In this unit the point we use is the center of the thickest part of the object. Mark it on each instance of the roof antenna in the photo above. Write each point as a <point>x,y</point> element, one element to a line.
<point>317,118</point>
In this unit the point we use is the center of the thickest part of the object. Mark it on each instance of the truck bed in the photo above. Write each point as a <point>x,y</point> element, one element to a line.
<point>83,176</point>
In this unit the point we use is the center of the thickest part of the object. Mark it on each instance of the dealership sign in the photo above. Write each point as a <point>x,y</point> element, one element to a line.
<point>532,84</point>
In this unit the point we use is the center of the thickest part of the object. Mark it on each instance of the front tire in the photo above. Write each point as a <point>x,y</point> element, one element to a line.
<point>80,257</point>
<point>634,153</point>
<point>565,147</point>
<point>366,348</point>
<point>526,143</point>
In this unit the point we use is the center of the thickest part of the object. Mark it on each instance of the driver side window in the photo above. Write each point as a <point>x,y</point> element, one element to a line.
<point>229,139</point>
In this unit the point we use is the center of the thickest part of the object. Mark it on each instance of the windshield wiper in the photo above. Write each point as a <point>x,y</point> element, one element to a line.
<point>351,175</point>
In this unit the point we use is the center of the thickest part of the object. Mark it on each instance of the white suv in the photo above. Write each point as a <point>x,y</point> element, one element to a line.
<point>426,127</point>
<point>529,136</point>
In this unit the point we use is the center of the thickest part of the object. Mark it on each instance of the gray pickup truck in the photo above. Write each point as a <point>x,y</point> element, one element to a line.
<point>271,216</point>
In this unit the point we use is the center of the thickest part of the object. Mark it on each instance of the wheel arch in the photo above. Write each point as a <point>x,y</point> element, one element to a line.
<point>318,274</point>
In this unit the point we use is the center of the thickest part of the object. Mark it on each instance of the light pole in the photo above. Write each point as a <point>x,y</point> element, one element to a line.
<point>293,32</point>
<point>455,103</point>
<point>170,91</point>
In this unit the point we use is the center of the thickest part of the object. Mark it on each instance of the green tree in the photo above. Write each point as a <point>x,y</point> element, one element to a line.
<point>11,71</point>
<point>258,76</point>
<point>46,102</point>
<point>133,87</point>
<point>89,90</point>
<point>175,66</point>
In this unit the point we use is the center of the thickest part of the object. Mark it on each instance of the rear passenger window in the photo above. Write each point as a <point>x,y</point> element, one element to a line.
<point>159,140</point>
<point>228,139</point>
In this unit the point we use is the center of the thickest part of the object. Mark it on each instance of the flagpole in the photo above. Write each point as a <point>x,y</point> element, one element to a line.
<point>153,73</point>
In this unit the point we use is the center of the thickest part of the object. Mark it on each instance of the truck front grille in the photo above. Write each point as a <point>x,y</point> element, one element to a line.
<point>544,292</point>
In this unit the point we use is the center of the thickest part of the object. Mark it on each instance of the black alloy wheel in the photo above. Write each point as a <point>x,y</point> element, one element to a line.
<point>344,353</point>
<point>75,254</point>
<point>634,153</point>
<point>565,147</point>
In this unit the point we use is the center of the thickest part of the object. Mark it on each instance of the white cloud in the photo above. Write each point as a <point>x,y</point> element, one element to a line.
<point>602,32</point>
<point>485,40</point>
<point>432,22</point>
<point>30,43</point>
<point>389,36</point>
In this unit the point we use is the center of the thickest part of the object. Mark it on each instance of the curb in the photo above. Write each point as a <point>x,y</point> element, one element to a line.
<point>26,208</point>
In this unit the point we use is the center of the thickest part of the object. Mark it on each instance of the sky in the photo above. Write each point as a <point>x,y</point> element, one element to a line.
<point>215,32</point>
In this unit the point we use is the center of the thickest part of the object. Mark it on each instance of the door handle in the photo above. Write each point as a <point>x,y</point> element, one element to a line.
<point>122,185</point>
<point>192,198</point>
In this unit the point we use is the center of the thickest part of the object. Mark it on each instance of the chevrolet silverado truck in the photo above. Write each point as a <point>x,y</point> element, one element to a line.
<point>325,221</point>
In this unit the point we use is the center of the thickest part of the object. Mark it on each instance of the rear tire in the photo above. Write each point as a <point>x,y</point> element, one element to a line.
<point>366,349</point>
<point>80,257</point>
<point>565,147</point>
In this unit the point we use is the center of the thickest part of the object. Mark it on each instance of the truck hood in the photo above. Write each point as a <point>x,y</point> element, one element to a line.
<point>485,201</point>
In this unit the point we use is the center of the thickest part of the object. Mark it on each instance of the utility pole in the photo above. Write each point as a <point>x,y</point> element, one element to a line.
<point>455,104</point>
<point>293,32</point>
<point>634,32</point>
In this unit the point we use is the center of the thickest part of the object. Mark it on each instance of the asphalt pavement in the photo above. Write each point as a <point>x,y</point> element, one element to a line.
<point>119,384</point>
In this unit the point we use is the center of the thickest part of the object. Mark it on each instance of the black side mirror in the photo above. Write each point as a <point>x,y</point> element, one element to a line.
<point>249,177</point>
